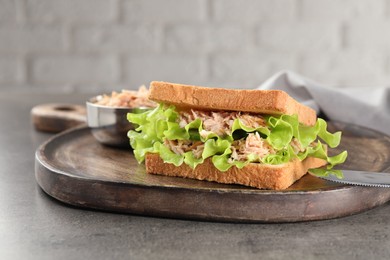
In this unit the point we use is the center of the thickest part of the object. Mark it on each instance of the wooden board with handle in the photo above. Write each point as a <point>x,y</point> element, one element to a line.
<point>55,117</point>
<point>74,168</point>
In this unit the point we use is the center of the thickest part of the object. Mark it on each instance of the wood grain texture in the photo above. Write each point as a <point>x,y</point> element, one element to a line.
<point>74,168</point>
<point>55,118</point>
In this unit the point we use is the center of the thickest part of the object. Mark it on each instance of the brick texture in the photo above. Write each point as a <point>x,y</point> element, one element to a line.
<point>172,11</point>
<point>347,68</point>
<point>300,37</point>
<point>72,10</point>
<point>193,38</point>
<point>375,36</point>
<point>11,69</point>
<point>190,69</point>
<point>8,10</point>
<point>75,69</point>
<point>31,38</point>
<point>252,11</point>
<point>99,45</point>
<point>250,69</point>
<point>342,10</point>
<point>118,38</point>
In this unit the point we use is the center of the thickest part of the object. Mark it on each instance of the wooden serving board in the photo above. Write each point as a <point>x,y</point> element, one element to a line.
<point>74,168</point>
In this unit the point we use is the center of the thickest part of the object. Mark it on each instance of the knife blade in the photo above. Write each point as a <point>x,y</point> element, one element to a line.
<point>364,178</point>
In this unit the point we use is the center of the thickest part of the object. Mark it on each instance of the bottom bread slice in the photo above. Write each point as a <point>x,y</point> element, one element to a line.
<point>262,176</point>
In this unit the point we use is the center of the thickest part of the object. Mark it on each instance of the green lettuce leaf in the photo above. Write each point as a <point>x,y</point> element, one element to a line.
<point>161,123</point>
<point>216,147</point>
<point>191,160</point>
<point>280,157</point>
<point>324,172</point>
<point>167,155</point>
<point>281,132</point>
<point>337,159</point>
<point>239,126</point>
<point>222,163</point>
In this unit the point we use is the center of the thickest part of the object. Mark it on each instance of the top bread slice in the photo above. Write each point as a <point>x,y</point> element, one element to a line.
<point>271,102</point>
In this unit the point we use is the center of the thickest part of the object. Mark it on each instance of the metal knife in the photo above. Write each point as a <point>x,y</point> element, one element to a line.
<point>365,178</point>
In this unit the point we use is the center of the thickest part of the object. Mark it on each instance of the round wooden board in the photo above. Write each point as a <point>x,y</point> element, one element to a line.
<point>74,168</point>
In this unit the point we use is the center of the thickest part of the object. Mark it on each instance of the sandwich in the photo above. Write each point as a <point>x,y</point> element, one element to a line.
<point>258,138</point>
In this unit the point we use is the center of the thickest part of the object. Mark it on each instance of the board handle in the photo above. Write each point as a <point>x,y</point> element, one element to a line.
<point>55,118</point>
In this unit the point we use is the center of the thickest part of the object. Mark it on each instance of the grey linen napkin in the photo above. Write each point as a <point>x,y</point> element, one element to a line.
<point>368,107</point>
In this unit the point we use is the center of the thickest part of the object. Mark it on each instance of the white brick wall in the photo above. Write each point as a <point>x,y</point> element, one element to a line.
<point>117,38</point>
<point>251,12</point>
<point>349,67</point>
<point>28,38</point>
<point>250,69</point>
<point>207,38</point>
<point>73,69</point>
<point>8,11</point>
<point>102,45</point>
<point>11,69</point>
<point>183,68</point>
<point>369,36</point>
<point>64,11</point>
<point>167,11</point>
<point>343,10</point>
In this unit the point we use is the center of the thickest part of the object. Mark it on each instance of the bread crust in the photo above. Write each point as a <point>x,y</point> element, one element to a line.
<point>262,176</point>
<point>273,102</point>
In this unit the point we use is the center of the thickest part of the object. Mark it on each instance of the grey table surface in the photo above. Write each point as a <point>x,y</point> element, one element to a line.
<point>35,226</point>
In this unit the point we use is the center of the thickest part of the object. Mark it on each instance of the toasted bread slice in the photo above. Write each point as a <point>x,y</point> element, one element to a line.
<point>262,176</point>
<point>272,102</point>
